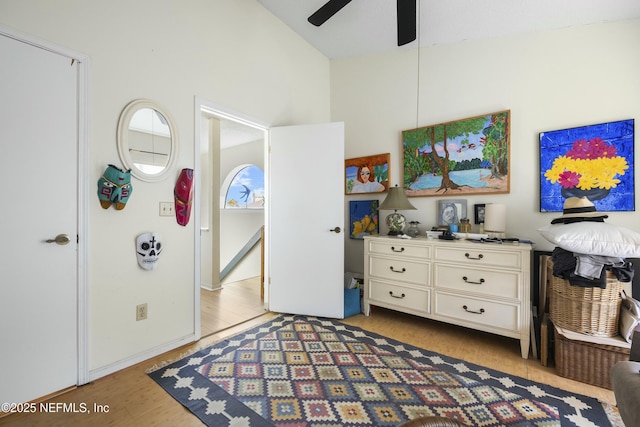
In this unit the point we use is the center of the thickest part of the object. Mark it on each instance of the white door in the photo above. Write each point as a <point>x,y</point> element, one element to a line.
<point>38,171</point>
<point>306,204</point>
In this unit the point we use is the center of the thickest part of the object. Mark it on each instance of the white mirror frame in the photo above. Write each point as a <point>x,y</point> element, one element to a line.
<point>122,141</point>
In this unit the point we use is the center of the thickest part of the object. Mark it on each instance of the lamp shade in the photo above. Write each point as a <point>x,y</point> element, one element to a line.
<point>396,200</point>
<point>495,218</point>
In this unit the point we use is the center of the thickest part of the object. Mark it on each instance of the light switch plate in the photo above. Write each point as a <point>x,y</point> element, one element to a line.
<point>167,209</point>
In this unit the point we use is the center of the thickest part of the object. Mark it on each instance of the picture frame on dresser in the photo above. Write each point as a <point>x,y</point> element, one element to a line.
<point>451,211</point>
<point>478,213</point>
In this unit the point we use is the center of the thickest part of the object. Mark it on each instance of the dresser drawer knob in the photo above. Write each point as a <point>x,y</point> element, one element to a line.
<point>471,311</point>
<point>397,271</point>
<point>396,296</point>
<point>393,248</point>
<point>480,256</point>
<point>466,279</point>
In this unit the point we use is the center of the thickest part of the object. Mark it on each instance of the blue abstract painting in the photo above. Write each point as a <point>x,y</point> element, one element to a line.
<point>594,161</point>
<point>363,218</point>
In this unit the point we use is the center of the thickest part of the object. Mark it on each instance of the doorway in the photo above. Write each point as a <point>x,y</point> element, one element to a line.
<point>231,259</point>
<point>319,265</point>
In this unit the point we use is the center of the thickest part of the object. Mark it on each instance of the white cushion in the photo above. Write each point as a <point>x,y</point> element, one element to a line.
<point>594,238</point>
<point>629,316</point>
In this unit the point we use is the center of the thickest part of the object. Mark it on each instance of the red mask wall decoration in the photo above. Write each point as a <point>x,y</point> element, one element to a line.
<point>183,196</point>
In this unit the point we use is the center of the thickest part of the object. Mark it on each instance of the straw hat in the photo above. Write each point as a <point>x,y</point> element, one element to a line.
<point>579,209</point>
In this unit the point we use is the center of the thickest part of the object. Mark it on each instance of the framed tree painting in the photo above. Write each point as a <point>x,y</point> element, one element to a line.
<point>363,218</point>
<point>368,174</point>
<point>469,156</point>
<point>594,161</point>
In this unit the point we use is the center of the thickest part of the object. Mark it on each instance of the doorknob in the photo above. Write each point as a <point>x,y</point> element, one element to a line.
<point>61,239</point>
<point>335,230</point>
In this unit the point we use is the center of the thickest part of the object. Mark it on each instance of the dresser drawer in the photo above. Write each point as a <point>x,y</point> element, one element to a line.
<point>480,256</point>
<point>479,311</point>
<point>400,248</point>
<point>503,284</point>
<point>409,298</point>
<point>399,269</point>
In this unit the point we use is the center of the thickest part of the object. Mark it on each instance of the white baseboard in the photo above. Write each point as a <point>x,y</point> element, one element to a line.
<point>140,357</point>
<point>209,287</point>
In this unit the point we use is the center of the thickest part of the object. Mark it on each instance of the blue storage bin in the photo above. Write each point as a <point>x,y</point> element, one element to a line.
<point>351,302</point>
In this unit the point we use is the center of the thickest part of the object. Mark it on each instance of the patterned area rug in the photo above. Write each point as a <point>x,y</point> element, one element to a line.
<point>298,371</point>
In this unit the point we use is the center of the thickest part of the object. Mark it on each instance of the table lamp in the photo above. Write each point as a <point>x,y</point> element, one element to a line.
<point>495,220</point>
<point>396,200</point>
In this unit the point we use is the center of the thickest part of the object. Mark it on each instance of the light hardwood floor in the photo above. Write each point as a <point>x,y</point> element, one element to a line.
<point>133,399</point>
<point>233,304</point>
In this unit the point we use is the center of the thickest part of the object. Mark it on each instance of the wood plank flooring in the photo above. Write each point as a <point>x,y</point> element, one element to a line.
<point>132,399</point>
<point>233,304</point>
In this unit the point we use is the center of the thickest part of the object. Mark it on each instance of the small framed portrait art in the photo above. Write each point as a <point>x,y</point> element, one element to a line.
<point>367,174</point>
<point>451,211</point>
<point>478,213</point>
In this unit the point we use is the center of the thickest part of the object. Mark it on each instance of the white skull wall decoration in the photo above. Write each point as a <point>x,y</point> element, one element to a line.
<point>148,249</point>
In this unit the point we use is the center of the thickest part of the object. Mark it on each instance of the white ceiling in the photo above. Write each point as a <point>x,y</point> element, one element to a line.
<point>366,27</point>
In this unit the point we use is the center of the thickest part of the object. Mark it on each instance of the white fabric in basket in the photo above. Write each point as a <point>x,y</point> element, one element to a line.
<point>617,341</point>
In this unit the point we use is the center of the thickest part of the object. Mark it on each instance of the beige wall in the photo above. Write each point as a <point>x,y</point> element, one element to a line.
<point>229,52</point>
<point>549,81</point>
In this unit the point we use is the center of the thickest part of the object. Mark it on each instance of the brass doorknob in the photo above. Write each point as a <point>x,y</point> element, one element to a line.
<point>61,239</point>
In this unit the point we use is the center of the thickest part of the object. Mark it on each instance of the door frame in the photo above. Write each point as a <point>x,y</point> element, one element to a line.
<point>213,109</point>
<point>82,273</point>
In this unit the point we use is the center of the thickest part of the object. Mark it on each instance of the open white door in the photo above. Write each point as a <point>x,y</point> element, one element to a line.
<point>306,204</point>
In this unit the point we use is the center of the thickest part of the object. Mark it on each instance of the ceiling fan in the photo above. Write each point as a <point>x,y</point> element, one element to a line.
<point>406,17</point>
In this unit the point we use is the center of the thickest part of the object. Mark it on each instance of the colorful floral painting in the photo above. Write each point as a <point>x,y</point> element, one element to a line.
<point>363,218</point>
<point>593,161</point>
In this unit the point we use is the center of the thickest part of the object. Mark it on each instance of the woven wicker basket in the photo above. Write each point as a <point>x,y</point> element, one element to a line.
<point>587,362</point>
<point>591,311</point>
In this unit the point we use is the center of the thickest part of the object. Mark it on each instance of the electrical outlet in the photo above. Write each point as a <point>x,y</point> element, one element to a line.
<point>167,209</point>
<point>141,311</point>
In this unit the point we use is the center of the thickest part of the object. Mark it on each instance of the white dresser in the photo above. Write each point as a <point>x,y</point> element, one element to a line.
<point>484,286</point>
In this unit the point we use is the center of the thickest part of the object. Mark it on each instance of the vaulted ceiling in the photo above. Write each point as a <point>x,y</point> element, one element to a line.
<point>366,27</point>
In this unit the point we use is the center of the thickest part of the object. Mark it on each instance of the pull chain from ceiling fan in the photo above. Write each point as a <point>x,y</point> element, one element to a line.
<point>418,65</point>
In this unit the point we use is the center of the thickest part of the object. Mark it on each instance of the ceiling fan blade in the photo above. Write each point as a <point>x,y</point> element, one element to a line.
<point>406,10</point>
<point>329,9</point>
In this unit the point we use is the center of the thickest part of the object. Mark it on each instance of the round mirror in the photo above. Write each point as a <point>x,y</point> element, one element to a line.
<point>147,140</point>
